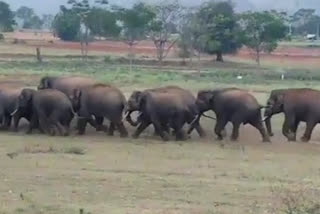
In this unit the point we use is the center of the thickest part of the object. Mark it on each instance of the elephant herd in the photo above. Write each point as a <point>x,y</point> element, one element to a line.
<point>58,100</point>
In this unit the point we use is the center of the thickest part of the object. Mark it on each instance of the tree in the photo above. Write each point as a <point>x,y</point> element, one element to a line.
<point>222,30</point>
<point>168,14</point>
<point>102,22</point>
<point>6,17</point>
<point>135,22</point>
<point>24,13</point>
<point>66,24</point>
<point>29,18</point>
<point>33,23</point>
<point>262,31</point>
<point>47,20</point>
<point>82,9</point>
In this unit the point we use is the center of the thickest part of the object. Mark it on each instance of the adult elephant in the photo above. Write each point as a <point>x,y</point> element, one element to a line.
<point>232,105</point>
<point>49,108</point>
<point>100,101</point>
<point>67,85</point>
<point>162,109</point>
<point>8,103</point>
<point>298,105</point>
<point>189,102</point>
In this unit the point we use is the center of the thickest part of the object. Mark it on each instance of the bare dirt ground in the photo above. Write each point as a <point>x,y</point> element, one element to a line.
<point>103,174</point>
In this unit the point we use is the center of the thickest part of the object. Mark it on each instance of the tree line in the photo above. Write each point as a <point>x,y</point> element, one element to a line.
<point>212,28</point>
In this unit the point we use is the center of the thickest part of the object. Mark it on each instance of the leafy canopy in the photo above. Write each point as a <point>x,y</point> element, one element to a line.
<point>6,17</point>
<point>135,21</point>
<point>67,24</point>
<point>262,30</point>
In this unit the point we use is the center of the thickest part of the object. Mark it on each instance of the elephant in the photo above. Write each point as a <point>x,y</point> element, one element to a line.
<point>8,103</point>
<point>49,108</point>
<point>162,109</point>
<point>100,101</point>
<point>298,105</point>
<point>187,97</point>
<point>67,85</point>
<point>232,105</point>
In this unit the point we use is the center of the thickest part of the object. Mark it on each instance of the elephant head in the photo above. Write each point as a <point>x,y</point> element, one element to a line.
<point>274,106</point>
<point>274,103</point>
<point>135,103</point>
<point>205,100</point>
<point>46,82</point>
<point>24,103</point>
<point>75,99</point>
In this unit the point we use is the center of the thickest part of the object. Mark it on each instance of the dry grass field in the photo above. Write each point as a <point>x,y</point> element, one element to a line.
<point>99,174</point>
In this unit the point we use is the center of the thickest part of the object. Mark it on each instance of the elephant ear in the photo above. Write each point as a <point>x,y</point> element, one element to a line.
<point>210,98</point>
<point>142,98</point>
<point>279,99</point>
<point>77,93</point>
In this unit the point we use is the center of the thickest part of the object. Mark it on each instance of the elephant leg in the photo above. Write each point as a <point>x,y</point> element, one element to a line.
<point>16,120</point>
<point>307,135</point>
<point>200,130</point>
<point>122,129</point>
<point>294,129</point>
<point>177,125</point>
<point>33,123</point>
<point>220,125</point>
<point>289,122</point>
<point>259,125</point>
<point>61,129</point>
<point>99,125</point>
<point>164,135</point>
<point>47,126</point>
<point>142,126</point>
<point>7,121</point>
<point>165,127</point>
<point>81,126</point>
<point>235,130</point>
<point>112,128</point>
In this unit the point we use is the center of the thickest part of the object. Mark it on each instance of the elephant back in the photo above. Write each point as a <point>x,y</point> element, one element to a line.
<point>68,84</point>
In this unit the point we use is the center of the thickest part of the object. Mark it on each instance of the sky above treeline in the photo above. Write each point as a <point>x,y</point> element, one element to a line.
<point>52,6</point>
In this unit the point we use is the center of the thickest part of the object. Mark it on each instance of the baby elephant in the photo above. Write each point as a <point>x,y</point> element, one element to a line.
<point>50,108</point>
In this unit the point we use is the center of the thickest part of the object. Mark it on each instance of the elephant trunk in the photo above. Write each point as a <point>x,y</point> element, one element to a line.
<point>14,112</point>
<point>267,120</point>
<point>129,119</point>
<point>192,124</point>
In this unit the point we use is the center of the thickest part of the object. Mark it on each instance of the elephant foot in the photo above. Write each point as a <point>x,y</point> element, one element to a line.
<point>234,139</point>
<point>81,132</point>
<point>266,140</point>
<point>291,137</point>
<point>165,137</point>
<point>224,133</point>
<point>219,138</point>
<point>124,135</point>
<point>271,134</point>
<point>135,136</point>
<point>102,128</point>
<point>202,135</point>
<point>305,139</point>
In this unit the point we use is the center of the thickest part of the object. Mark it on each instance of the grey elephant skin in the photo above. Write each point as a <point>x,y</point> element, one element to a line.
<point>51,108</point>
<point>232,105</point>
<point>67,84</point>
<point>100,101</point>
<point>9,94</point>
<point>298,105</point>
<point>187,97</point>
<point>167,107</point>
